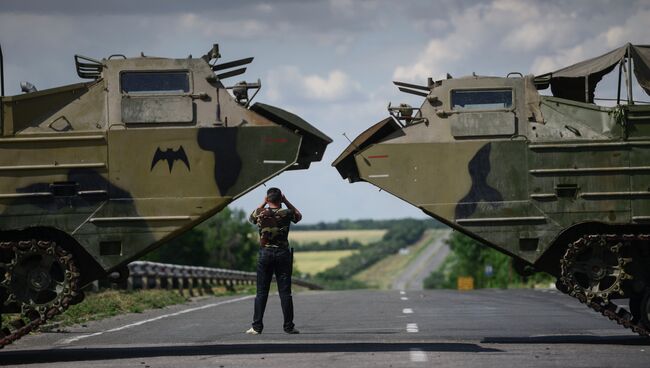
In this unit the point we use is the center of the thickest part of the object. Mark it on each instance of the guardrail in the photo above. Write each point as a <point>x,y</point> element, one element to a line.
<point>153,275</point>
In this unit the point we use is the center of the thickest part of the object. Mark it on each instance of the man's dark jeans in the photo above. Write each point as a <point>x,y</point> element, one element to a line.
<point>270,261</point>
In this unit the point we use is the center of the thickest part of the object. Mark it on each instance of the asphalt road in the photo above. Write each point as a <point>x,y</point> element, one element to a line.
<point>412,277</point>
<point>487,328</point>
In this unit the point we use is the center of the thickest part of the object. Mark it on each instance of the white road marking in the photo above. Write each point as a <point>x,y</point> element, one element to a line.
<point>407,310</point>
<point>402,292</point>
<point>404,298</point>
<point>418,355</point>
<point>275,162</point>
<point>77,338</point>
<point>379,176</point>
<point>412,327</point>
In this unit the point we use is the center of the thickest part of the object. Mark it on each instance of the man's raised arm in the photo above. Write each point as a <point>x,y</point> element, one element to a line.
<point>297,216</point>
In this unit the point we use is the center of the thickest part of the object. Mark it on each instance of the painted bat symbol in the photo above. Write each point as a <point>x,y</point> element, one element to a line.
<point>170,155</point>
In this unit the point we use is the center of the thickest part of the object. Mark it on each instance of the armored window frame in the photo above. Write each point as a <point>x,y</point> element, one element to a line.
<point>184,87</point>
<point>494,106</point>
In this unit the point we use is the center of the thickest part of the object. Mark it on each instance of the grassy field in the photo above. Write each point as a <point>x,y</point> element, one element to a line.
<point>322,236</point>
<point>315,261</point>
<point>108,303</point>
<point>382,274</point>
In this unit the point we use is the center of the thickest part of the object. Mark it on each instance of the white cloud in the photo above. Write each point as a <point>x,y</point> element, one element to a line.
<point>437,53</point>
<point>634,30</point>
<point>318,88</point>
<point>503,35</point>
<point>291,83</point>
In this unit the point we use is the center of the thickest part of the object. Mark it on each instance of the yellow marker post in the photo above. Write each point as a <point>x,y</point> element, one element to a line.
<point>465,283</point>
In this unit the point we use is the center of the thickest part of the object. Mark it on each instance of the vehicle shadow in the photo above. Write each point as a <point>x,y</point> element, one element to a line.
<point>108,353</point>
<point>569,339</point>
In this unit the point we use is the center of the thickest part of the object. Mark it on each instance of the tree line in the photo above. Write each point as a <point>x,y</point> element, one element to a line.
<point>488,267</point>
<point>400,234</point>
<point>365,224</point>
<point>226,240</point>
<point>334,244</point>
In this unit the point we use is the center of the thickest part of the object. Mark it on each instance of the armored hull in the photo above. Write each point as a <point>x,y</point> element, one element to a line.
<point>557,182</point>
<point>94,175</point>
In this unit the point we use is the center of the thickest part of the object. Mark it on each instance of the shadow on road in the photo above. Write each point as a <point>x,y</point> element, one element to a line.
<point>87,354</point>
<point>570,339</point>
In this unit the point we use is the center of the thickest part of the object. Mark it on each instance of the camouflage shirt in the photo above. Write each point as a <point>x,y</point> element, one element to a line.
<point>273,224</point>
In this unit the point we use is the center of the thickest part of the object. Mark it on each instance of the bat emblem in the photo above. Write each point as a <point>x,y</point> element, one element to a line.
<point>170,155</point>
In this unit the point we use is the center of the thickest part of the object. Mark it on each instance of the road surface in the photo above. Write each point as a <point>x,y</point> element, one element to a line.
<point>429,260</point>
<point>360,328</point>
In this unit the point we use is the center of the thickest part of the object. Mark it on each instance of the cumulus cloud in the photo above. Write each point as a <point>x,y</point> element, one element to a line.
<point>429,63</point>
<point>335,84</point>
<point>634,30</point>
<point>291,82</point>
<point>507,35</point>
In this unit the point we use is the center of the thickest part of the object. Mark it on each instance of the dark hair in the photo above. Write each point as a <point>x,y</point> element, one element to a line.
<point>274,195</point>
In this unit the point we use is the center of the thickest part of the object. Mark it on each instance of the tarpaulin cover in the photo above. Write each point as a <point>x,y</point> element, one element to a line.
<point>577,81</point>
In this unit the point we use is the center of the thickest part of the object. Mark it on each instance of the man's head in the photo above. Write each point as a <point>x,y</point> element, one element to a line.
<point>274,195</point>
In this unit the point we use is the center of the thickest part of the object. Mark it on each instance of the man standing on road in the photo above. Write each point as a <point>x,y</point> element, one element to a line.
<point>274,257</point>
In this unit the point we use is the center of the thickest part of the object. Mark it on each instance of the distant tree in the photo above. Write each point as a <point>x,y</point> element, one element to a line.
<point>231,241</point>
<point>225,240</point>
<point>187,249</point>
<point>471,258</point>
<point>398,236</point>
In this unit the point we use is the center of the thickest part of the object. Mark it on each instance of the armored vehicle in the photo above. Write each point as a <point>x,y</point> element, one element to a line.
<point>557,182</point>
<point>93,175</point>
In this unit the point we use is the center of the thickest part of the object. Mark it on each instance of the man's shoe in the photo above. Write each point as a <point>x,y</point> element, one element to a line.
<point>292,331</point>
<point>252,331</point>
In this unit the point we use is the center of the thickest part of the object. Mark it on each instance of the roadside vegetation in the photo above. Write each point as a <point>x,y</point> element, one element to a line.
<point>226,240</point>
<point>109,303</point>
<point>364,224</point>
<point>399,235</point>
<point>382,274</point>
<point>488,267</point>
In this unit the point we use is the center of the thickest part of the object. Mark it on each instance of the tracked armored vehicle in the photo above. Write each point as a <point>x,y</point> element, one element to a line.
<point>93,175</point>
<point>558,182</point>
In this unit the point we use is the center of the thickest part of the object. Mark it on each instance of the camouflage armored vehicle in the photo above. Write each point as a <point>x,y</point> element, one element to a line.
<point>95,174</point>
<point>559,183</point>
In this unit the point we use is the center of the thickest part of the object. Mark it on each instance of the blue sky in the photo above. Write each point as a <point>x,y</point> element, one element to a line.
<point>331,62</point>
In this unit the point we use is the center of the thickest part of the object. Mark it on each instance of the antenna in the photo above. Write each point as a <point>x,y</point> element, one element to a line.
<point>359,149</point>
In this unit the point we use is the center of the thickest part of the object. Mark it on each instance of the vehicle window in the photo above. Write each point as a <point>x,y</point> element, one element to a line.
<point>481,99</point>
<point>155,82</point>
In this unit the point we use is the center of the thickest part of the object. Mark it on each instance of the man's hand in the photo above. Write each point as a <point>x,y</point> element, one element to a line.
<point>261,206</point>
<point>297,215</point>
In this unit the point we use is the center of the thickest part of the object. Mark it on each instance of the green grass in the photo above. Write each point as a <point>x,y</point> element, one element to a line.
<point>382,274</point>
<point>322,236</point>
<point>111,303</point>
<point>313,262</point>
